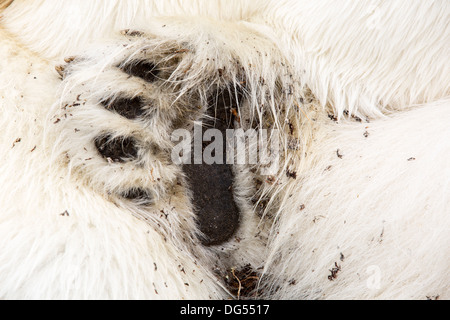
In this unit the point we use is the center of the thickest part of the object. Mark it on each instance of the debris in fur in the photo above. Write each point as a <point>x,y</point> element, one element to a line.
<point>291,174</point>
<point>271,180</point>
<point>243,283</point>
<point>291,128</point>
<point>334,271</point>
<point>132,33</point>
<point>356,118</point>
<point>293,143</point>
<point>16,141</point>
<point>332,117</point>
<point>64,214</point>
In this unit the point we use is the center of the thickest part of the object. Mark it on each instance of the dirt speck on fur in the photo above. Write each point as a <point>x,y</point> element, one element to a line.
<point>243,283</point>
<point>16,141</point>
<point>334,271</point>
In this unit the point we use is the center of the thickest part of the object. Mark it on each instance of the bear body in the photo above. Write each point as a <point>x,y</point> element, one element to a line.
<point>356,96</point>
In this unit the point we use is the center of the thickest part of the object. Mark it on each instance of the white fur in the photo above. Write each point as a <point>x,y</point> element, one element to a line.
<point>370,196</point>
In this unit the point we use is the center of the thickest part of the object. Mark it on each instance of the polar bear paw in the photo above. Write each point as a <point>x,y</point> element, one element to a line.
<point>120,104</point>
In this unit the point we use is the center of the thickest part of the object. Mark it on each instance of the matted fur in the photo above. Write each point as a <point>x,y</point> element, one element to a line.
<point>359,92</point>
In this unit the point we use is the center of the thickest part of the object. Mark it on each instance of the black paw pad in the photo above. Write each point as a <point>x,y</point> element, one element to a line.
<point>118,149</point>
<point>218,214</point>
<point>142,69</point>
<point>138,195</point>
<point>128,108</point>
